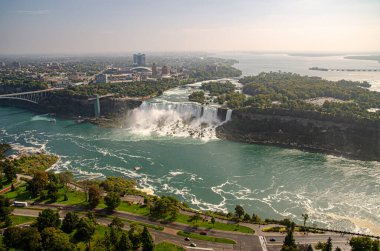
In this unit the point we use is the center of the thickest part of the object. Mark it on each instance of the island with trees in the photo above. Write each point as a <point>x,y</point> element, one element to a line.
<point>310,113</point>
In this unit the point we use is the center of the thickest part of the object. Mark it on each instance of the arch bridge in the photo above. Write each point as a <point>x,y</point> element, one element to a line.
<point>33,97</point>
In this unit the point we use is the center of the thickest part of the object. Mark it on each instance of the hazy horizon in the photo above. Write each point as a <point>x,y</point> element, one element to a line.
<point>97,27</point>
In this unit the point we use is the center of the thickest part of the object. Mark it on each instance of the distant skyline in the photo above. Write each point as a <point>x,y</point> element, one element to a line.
<point>121,26</point>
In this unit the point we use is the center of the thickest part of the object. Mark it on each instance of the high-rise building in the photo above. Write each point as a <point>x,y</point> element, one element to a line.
<point>165,70</point>
<point>139,59</point>
<point>154,69</point>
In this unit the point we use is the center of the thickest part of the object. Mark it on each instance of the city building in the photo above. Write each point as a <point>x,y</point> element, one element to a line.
<point>139,59</point>
<point>101,78</point>
<point>154,70</point>
<point>165,70</point>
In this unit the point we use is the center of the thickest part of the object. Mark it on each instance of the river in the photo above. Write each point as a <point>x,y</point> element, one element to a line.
<point>173,141</point>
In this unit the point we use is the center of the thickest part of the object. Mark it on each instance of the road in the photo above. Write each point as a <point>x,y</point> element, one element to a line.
<point>337,240</point>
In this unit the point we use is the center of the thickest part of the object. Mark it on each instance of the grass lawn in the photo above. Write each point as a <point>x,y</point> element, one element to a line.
<point>17,220</point>
<point>166,246</point>
<point>19,194</point>
<point>184,219</point>
<point>135,209</point>
<point>74,197</point>
<point>205,237</point>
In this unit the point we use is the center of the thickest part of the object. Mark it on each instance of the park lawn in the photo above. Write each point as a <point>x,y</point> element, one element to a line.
<point>185,219</point>
<point>167,246</point>
<point>19,194</point>
<point>18,219</point>
<point>133,208</point>
<point>74,197</point>
<point>205,237</point>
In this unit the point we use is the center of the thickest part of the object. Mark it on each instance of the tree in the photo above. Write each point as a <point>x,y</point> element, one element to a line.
<point>289,242</point>
<point>247,217</point>
<point>22,238</point>
<point>116,223</point>
<point>361,243</point>
<point>38,183</point>
<point>213,220</point>
<point>55,240</point>
<point>134,237</point>
<point>93,196</point>
<point>196,217</point>
<point>9,170</point>
<point>376,245</point>
<point>146,240</point>
<point>12,237</point>
<point>47,218</point>
<point>5,208</point>
<point>70,222</point>
<point>65,178</point>
<point>8,221</point>
<point>328,246</point>
<point>164,206</point>
<point>305,218</point>
<point>124,243</point>
<point>309,248</point>
<point>112,200</point>
<point>239,211</point>
<point>85,229</point>
<point>52,188</point>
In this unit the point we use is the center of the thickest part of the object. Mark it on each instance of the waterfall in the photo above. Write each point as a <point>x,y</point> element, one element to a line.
<point>174,119</point>
<point>228,115</point>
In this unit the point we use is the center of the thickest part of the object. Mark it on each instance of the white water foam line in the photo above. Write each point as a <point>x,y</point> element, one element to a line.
<point>175,119</point>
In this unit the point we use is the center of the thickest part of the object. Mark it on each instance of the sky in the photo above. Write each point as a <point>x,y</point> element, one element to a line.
<point>118,26</point>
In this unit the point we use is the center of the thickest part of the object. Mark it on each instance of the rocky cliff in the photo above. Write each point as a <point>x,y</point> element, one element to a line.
<point>358,139</point>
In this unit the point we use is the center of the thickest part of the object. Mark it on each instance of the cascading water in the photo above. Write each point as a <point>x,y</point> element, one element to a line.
<point>181,119</point>
<point>228,115</point>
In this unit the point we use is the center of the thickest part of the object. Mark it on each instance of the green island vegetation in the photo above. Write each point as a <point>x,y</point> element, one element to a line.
<point>279,90</point>
<point>205,237</point>
<point>218,88</point>
<point>167,246</point>
<point>197,96</point>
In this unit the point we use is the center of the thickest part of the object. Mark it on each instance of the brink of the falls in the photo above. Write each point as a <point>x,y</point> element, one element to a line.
<point>179,119</point>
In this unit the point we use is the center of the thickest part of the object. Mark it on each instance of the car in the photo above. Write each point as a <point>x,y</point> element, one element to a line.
<point>272,239</point>
<point>187,239</point>
<point>193,244</point>
<point>203,233</point>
